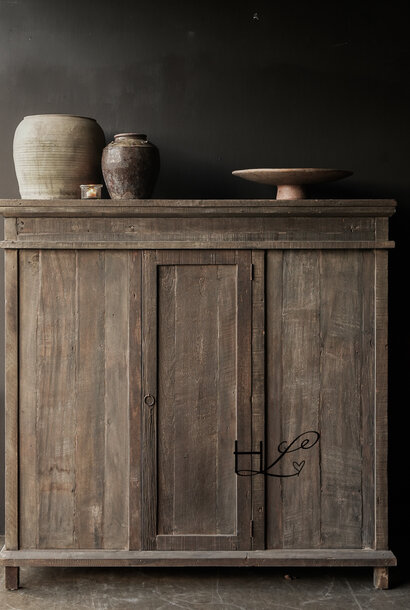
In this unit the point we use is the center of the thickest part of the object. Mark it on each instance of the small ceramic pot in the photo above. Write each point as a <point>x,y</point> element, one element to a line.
<point>55,153</point>
<point>130,166</point>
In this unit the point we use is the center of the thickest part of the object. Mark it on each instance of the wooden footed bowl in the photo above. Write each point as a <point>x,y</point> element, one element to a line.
<point>291,182</point>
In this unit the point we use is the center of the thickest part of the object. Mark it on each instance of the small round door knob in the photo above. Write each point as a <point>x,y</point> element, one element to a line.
<point>149,400</point>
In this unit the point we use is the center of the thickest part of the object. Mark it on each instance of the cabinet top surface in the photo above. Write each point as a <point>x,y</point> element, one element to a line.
<point>196,207</point>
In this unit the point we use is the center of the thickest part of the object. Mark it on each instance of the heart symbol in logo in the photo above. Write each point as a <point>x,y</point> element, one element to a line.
<point>298,466</point>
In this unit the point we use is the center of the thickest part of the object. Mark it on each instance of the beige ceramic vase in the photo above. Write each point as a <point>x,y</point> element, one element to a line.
<point>55,153</point>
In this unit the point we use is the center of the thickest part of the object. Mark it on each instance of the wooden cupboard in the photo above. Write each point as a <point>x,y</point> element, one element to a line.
<point>196,383</point>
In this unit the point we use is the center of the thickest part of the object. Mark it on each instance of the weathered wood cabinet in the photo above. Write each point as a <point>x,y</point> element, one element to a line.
<point>152,345</point>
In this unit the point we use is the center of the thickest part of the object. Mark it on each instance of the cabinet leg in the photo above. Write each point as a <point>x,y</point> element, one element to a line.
<point>381,578</point>
<point>11,578</point>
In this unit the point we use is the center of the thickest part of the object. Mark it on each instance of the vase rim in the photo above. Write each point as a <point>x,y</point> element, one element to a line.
<point>131,134</point>
<point>66,116</point>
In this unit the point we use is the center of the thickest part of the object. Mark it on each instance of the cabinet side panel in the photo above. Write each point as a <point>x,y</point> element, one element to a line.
<point>381,504</point>
<point>341,459</point>
<point>29,310</point>
<point>367,385</point>
<point>11,269</point>
<point>300,398</point>
<point>55,420</point>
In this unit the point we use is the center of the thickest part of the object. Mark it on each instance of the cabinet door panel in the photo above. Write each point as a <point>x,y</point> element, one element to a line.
<point>320,377</point>
<point>196,363</point>
<point>74,352</point>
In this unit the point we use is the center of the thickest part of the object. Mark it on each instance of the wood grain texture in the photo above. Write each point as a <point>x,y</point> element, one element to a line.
<point>258,394</point>
<point>10,228</point>
<point>90,385</point>
<point>226,278</point>
<point>293,396</point>
<point>320,375</point>
<point>11,279</point>
<point>184,208</point>
<point>381,228</point>
<point>167,281</point>
<point>74,379</point>
<point>149,402</point>
<point>11,578</point>
<point>205,334</point>
<point>244,389</point>
<point>281,557</point>
<point>300,396</point>
<point>203,377</point>
<point>340,444</point>
<point>55,418</point>
<point>117,204</point>
<point>274,393</point>
<point>135,399</point>
<point>244,398</point>
<point>381,419</point>
<point>196,245</point>
<point>381,578</point>
<point>116,467</point>
<point>206,229</point>
<point>367,397</point>
<point>29,282</point>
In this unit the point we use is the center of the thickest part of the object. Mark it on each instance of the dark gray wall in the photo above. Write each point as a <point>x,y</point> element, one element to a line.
<point>220,86</point>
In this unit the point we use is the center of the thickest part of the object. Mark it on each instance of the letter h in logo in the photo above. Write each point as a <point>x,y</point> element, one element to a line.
<point>247,473</point>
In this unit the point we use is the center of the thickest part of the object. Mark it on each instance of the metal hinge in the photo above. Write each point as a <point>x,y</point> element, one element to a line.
<point>251,272</point>
<point>251,528</point>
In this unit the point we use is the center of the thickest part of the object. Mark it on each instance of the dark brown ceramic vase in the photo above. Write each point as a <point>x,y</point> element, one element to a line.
<point>130,166</point>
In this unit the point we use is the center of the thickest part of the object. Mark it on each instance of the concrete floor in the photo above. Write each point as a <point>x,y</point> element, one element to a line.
<point>205,589</point>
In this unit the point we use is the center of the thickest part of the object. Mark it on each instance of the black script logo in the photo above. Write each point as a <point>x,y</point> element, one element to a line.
<point>303,442</point>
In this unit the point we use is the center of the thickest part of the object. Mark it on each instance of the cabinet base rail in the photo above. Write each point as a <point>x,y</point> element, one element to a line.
<point>277,557</point>
<point>379,560</point>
